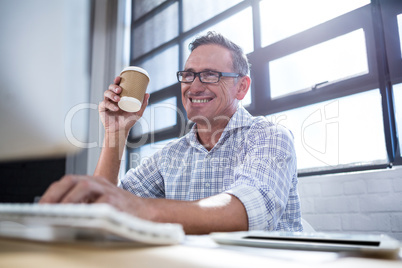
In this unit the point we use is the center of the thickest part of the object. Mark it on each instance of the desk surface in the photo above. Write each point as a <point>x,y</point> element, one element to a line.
<point>16,254</point>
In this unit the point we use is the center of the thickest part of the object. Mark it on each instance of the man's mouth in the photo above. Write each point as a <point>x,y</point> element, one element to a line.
<point>199,100</point>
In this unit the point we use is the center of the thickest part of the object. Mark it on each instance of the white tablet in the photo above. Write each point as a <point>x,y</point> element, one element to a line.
<point>368,245</point>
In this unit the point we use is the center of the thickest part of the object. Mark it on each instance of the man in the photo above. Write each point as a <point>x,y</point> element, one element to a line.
<point>231,172</point>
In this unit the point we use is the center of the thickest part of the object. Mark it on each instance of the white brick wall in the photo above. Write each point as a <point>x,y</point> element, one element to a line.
<point>359,202</point>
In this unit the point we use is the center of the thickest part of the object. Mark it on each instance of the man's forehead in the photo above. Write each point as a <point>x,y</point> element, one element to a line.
<point>209,57</point>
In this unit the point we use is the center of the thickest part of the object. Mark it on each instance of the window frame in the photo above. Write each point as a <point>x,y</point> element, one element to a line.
<point>377,19</point>
<point>392,63</point>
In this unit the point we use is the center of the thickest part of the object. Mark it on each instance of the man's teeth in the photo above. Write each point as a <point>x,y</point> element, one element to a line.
<point>199,101</point>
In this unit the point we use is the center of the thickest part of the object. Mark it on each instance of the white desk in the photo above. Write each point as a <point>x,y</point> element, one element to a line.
<point>15,254</point>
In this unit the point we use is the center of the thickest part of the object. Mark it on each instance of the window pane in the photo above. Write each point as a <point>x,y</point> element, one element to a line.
<point>210,8</point>
<point>138,155</point>
<point>247,99</point>
<point>156,31</point>
<point>398,111</point>
<point>283,18</point>
<point>399,17</point>
<point>127,34</point>
<point>141,7</point>
<point>162,68</point>
<point>338,58</point>
<point>231,28</point>
<point>343,131</point>
<point>158,116</point>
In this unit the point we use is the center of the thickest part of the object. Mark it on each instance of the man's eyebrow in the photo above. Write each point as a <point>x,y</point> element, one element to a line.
<point>205,70</point>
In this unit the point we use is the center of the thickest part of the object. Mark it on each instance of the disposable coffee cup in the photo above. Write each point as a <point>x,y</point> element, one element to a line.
<point>134,82</point>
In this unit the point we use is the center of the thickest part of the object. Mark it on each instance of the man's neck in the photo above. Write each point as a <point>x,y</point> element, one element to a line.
<point>209,134</point>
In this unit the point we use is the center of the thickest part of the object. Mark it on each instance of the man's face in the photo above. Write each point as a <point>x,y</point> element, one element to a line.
<point>209,103</point>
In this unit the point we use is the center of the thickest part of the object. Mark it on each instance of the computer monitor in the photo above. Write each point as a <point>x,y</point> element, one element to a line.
<point>44,77</point>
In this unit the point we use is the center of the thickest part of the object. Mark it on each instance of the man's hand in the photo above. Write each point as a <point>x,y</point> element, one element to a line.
<point>113,118</point>
<point>85,189</point>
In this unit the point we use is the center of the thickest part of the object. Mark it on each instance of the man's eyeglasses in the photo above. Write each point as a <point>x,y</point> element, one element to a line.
<point>205,76</point>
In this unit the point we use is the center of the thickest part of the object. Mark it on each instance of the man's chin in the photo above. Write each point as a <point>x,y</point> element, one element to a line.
<point>200,119</point>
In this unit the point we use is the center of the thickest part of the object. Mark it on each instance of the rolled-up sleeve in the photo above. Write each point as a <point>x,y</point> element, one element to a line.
<point>254,204</point>
<point>264,178</point>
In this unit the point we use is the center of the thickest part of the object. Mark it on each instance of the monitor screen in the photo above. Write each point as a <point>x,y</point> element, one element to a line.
<point>44,77</point>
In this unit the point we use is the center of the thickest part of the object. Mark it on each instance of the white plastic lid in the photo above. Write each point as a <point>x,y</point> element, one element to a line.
<point>135,68</point>
<point>129,104</point>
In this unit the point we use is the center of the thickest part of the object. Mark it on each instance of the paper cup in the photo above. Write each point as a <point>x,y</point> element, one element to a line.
<point>134,82</point>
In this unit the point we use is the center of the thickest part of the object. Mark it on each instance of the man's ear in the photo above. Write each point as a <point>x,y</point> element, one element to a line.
<point>243,87</point>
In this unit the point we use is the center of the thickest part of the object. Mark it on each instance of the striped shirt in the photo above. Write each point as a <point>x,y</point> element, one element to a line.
<point>254,160</point>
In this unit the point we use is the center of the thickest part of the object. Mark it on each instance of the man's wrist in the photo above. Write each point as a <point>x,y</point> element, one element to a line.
<point>115,139</point>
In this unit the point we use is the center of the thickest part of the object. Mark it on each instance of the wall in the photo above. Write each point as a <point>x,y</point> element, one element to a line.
<point>107,62</point>
<point>360,202</point>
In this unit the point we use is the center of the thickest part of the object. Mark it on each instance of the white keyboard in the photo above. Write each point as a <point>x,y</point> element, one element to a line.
<point>83,222</point>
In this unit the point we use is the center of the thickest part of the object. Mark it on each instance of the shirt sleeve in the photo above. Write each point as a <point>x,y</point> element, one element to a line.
<point>265,177</point>
<point>145,180</point>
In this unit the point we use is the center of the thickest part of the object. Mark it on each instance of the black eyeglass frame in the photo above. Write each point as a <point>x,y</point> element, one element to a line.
<point>221,74</point>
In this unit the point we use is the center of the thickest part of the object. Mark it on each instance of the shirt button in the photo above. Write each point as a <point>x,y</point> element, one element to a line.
<point>207,185</point>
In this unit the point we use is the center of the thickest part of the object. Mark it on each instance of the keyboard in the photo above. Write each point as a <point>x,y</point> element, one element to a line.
<point>100,223</point>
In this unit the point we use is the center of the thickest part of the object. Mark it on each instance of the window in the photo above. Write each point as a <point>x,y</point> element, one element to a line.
<point>400,30</point>
<point>240,22</point>
<point>398,106</point>
<point>392,22</point>
<point>328,70</point>
<point>329,134</point>
<point>156,30</point>
<point>156,117</point>
<point>398,91</point>
<point>162,67</point>
<point>337,59</point>
<point>282,19</point>
<point>210,8</point>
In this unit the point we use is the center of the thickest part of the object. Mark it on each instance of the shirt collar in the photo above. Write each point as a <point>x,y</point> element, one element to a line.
<point>240,118</point>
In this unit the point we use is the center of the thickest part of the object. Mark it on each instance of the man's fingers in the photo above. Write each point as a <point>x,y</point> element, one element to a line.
<point>57,190</point>
<point>75,189</point>
<point>117,80</point>
<point>115,88</point>
<point>85,191</point>
<point>144,104</point>
<point>111,95</point>
<point>107,105</point>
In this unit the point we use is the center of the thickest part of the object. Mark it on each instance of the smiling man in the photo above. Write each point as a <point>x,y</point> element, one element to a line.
<point>231,172</point>
<point>212,99</point>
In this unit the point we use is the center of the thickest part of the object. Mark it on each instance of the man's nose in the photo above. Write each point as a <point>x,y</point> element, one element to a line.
<point>197,85</point>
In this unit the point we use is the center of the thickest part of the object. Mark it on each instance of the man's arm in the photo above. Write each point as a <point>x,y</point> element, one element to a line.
<point>110,158</point>
<point>266,177</point>
<point>218,213</point>
<point>222,212</point>
<point>117,124</point>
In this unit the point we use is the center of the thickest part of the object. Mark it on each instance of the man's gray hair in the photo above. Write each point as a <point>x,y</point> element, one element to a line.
<point>240,61</point>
